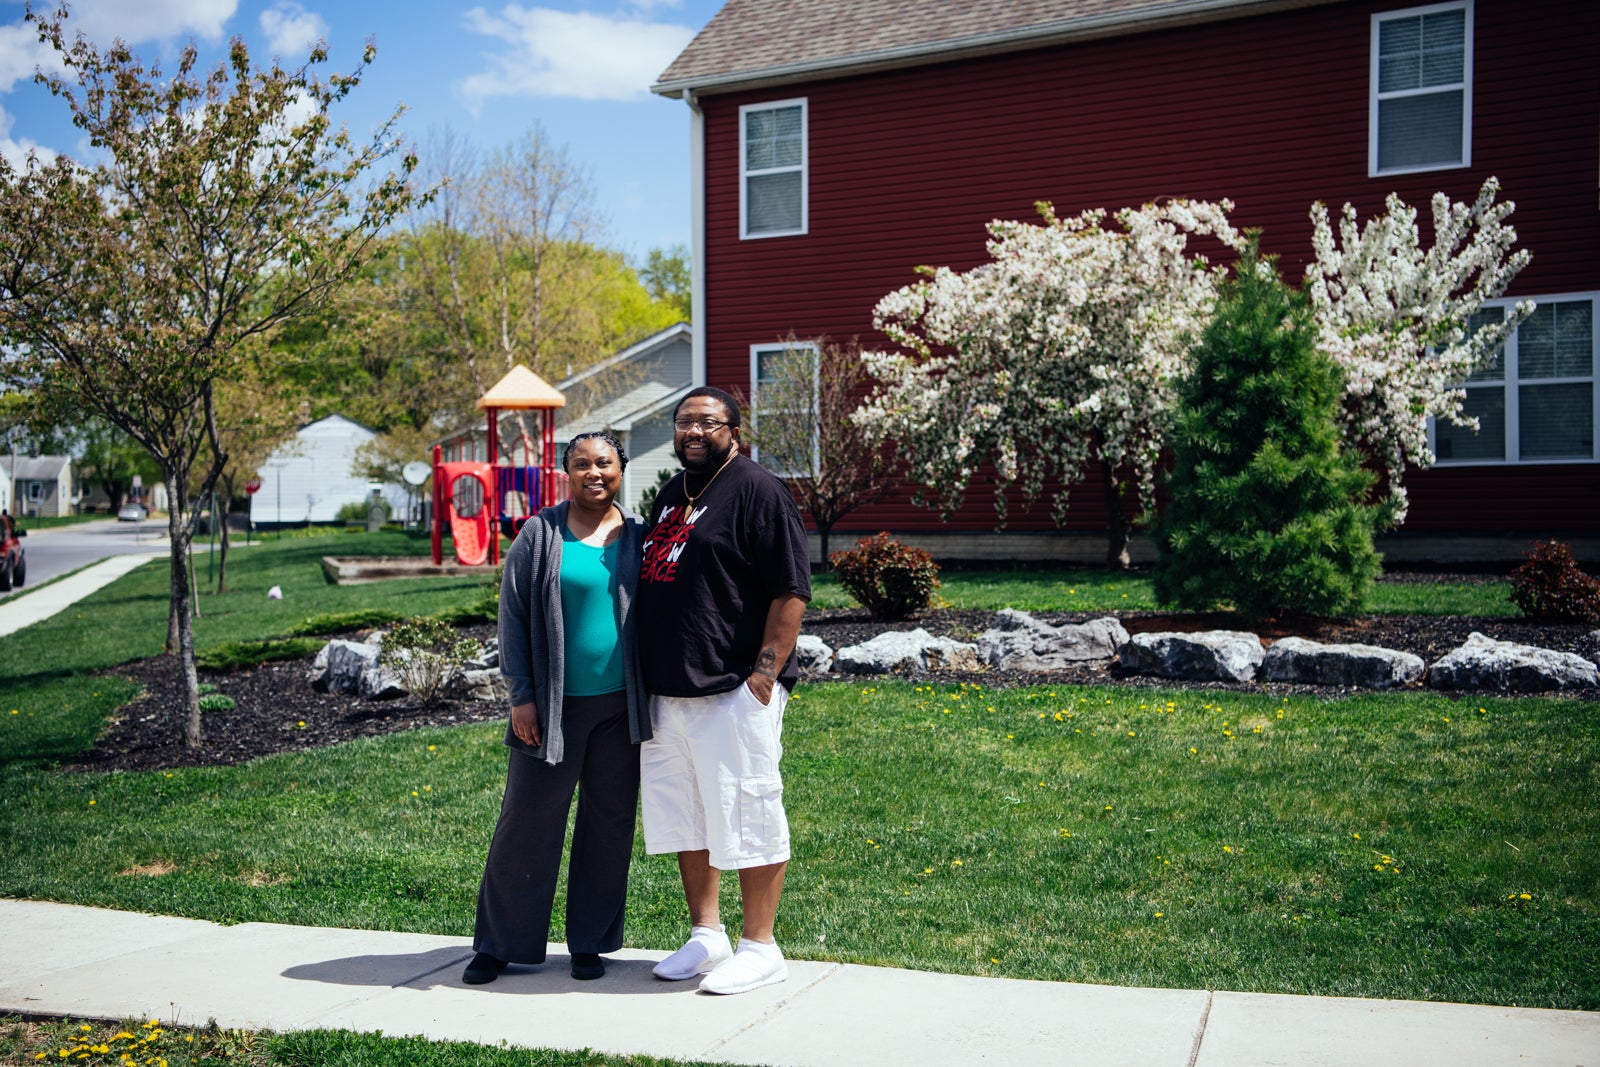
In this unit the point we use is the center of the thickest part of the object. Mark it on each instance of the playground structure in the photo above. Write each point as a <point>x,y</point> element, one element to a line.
<point>482,500</point>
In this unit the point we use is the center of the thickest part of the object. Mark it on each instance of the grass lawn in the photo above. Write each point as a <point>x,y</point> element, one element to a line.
<point>22,1041</point>
<point>1386,845</point>
<point>1063,589</point>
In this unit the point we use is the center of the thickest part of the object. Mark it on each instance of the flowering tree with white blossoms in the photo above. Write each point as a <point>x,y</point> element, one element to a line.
<point>1065,348</point>
<point>1396,318</point>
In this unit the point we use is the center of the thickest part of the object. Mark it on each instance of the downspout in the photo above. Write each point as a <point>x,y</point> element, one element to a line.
<point>697,235</point>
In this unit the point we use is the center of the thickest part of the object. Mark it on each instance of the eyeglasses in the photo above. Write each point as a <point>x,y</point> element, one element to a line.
<point>708,425</point>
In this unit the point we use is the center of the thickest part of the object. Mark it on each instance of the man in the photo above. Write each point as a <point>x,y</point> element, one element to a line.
<point>725,582</point>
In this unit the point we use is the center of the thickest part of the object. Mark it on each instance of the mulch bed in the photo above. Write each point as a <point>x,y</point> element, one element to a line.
<point>278,711</point>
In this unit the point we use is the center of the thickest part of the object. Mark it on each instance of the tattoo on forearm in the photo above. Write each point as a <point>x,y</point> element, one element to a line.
<point>767,663</point>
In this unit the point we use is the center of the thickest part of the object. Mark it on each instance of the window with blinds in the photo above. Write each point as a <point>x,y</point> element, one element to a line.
<point>1421,105</point>
<point>1535,399</point>
<point>772,161</point>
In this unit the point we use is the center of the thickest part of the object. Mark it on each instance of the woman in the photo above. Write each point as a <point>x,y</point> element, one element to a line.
<point>578,713</point>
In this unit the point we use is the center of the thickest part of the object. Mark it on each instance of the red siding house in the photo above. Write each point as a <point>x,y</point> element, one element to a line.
<point>838,144</point>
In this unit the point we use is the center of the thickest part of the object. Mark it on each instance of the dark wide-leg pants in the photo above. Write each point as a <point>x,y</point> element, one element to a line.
<point>519,880</point>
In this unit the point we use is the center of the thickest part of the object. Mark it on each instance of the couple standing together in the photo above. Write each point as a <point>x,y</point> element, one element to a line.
<point>684,710</point>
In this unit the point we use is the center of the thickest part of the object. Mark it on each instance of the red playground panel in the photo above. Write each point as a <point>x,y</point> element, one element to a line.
<point>466,495</point>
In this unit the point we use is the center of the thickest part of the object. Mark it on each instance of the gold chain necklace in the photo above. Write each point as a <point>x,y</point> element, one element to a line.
<point>731,457</point>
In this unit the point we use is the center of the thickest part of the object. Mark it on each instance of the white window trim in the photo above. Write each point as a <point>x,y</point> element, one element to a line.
<point>1373,170</point>
<point>804,169</point>
<point>755,401</point>
<point>1513,380</point>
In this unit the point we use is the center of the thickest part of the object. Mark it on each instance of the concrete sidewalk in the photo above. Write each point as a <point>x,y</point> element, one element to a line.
<point>61,959</point>
<point>35,605</point>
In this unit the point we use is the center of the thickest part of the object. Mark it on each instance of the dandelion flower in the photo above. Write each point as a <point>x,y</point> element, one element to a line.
<point>1227,848</point>
<point>1526,896</point>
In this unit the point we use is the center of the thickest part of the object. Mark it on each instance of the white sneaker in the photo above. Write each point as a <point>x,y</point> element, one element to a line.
<point>707,946</point>
<point>755,964</point>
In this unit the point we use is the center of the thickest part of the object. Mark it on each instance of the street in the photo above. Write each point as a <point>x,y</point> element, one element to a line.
<point>54,552</point>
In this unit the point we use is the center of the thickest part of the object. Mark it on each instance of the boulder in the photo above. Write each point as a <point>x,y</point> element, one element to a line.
<point>1295,659</point>
<point>488,657</point>
<point>907,652</point>
<point>1208,656</point>
<point>813,654</point>
<point>339,666</point>
<point>1020,642</point>
<point>478,684</point>
<point>1484,663</point>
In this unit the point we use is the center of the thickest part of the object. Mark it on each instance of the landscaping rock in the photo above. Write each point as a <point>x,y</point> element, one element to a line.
<point>813,654</point>
<point>1209,656</point>
<point>1295,659</point>
<point>488,658</point>
<point>478,684</point>
<point>1020,642</point>
<point>907,652</point>
<point>339,666</point>
<point>1484,663</point>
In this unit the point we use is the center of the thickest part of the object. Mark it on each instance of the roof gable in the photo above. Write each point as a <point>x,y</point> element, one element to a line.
<point>750,43</point>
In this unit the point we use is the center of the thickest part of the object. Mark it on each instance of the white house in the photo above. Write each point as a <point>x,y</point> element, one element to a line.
<point>309,479</point>
<point>44,485</point>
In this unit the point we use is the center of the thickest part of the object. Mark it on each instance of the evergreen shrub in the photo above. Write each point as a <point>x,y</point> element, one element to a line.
<point>889,579</point>
<point>1266,513</point>
<point>1552,587</point>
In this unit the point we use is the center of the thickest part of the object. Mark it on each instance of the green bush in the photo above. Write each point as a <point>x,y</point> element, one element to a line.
<point>1267,513</point>
<point>1551,586</point>
<point>217,702</point>
<point>889,579</point>
<point>423,653</point>
<point>342,622</point>
<point>647,499</point>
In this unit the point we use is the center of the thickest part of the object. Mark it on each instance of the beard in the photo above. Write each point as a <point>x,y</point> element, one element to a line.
<point>713,459</point>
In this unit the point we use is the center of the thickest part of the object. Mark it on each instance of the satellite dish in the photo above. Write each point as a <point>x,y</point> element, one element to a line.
<point>415,472</point>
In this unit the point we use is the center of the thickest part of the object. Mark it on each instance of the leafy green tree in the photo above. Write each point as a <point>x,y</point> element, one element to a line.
<point>221,204</point>
<point>103,456</point>
<point>667,275</point>
<point>1267,513</point>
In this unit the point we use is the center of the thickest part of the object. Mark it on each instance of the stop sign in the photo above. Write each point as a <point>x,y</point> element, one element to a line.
<point>252,485</point>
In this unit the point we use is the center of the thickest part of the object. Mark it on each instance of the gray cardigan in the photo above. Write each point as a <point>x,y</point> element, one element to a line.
<point>532,638</point>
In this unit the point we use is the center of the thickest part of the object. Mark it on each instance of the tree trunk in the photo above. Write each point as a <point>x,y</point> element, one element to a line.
<point>178,615</point>
<point>1118,557</point>
<point>221,518</point>
<point>822,541</point>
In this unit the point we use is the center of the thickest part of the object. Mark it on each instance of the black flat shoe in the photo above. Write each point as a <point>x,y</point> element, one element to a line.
<point>587,966</point>
<point>483,969</point>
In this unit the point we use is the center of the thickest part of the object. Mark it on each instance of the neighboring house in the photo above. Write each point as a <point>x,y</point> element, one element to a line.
<point>631,393</point>
<point>308,479</point>
<point>43,485</point>
<point>838,144</point>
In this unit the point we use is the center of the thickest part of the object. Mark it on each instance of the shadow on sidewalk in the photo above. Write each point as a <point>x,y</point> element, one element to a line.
<point>442,968</point>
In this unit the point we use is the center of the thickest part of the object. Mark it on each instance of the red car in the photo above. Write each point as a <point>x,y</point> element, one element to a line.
<point>13,564</point>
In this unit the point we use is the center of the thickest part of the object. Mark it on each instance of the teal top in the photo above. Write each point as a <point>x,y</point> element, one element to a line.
<point>593,647</point>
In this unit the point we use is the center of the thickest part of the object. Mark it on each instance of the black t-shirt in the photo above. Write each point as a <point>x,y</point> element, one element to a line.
<point>710,576</point>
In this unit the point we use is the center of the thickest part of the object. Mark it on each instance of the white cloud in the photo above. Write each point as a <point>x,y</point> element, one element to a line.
<point>292,30</point>
<point>151,20</point>
<point>566,54</point>
<point>20,53</point>
<point>16,152</point>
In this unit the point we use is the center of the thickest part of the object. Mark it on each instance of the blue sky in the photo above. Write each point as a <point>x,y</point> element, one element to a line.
<point>488,73</point>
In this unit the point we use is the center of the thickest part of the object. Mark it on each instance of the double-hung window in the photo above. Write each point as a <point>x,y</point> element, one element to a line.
<point>1535,400</point>
<point>1420,112</point>
<point>784,407</point>
<point>772,169</point>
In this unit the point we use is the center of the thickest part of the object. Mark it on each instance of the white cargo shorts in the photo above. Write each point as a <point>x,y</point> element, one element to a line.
<point>709,778</point>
